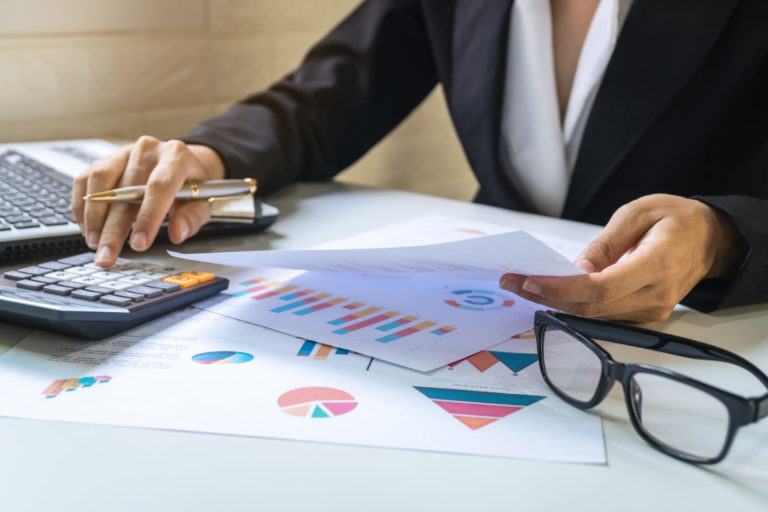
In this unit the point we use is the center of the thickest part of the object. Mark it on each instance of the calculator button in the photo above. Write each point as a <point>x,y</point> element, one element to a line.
<point>28,284</point>
<point>116,285</point>
<point>162,285</point>
<point>78,259</point>
<point>56,289</point>
<point>200,276</point>
<point>87,280</point>
<point>35,271</point>
<point>71,284</point>
<point>106,275</point>
<point>82,271</point>
<point>135,297</point>
<point>61,275</point>
<point>135,280</point>
<point>99,289</point>
<point>15,275</point>
<point>183,281</point>
<point>45,280</point>
<point>55,265</point>
<point>153,275</point>
<point>146,291</point>
<point>85,295</point>
<point>114,300</point>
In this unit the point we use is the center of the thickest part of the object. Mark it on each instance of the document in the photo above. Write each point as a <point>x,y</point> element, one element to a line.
<point>199,371</point>
<point>480,258</point>
<point>390,313</point>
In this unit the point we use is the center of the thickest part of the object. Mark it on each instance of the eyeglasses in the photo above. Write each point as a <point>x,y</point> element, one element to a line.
<point>680,416</point>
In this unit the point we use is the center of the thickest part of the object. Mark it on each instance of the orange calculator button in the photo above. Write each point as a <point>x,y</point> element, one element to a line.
<point>200,276</point>
<point>183,281</point>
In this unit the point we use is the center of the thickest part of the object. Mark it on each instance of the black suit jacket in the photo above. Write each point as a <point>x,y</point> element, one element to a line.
<point>682,109</point>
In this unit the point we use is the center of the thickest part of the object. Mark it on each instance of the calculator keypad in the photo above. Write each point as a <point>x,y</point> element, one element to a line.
<point>123,284</point>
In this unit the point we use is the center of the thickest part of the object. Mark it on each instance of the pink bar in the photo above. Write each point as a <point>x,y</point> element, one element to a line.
<point>373,320</point>
<point>266,295</point>
<point>489,411</point>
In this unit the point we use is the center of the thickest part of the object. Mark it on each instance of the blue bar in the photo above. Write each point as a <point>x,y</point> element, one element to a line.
<point>337,321</point>
<point>388,338</point>
<point>341,331</point>
<point>341,351</point>
<point>292,305</point>
<point>389,326</point>
<point>239,294</point>
<point>306,348</point>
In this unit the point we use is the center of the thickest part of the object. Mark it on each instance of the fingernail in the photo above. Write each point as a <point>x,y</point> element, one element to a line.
<point>509,284</point>
<point>585,265</point>
<point>139,241</point>
<point>93,240</point>
<point>531,287</point>
<point>104,254</point>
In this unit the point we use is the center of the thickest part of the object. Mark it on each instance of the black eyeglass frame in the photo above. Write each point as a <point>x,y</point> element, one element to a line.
<point>741,410</point>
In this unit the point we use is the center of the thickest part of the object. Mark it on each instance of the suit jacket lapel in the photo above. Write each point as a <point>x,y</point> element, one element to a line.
<point>475,93</point>
<point>661,45</point>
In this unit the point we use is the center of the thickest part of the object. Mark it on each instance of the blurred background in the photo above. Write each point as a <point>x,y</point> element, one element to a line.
<point>119,69</point>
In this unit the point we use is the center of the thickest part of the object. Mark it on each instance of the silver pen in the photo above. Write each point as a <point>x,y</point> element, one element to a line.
<point>208,190</point>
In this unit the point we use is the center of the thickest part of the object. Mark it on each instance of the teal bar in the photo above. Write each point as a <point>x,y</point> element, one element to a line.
<point>479,396</point>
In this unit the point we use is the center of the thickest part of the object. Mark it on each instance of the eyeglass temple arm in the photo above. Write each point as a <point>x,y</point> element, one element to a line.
<point>655,340</point>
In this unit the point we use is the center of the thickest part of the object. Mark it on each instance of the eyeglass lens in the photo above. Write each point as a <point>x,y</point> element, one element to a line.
<point>570,365</point>
<point>679,416</point>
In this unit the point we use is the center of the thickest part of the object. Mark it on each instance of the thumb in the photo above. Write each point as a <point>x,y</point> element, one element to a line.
<point>622,233</point>
<point>187,219</point>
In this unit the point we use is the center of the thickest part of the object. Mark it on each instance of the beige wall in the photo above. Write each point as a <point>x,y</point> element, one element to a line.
<point>123,68</point>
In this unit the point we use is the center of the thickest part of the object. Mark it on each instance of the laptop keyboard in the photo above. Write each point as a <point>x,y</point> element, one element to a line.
<point>32,195</point>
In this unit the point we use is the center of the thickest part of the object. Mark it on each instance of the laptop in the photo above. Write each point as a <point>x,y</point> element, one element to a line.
<point>35,193</point>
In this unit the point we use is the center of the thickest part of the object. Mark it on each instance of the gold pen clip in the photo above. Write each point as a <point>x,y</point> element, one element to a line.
<point>251,186</point>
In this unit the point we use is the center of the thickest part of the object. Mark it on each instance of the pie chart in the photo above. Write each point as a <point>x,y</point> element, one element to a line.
<point>316,402</point>
<point>222,357</point>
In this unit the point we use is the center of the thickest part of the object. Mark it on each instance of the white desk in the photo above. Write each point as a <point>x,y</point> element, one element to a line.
<point>56,466</point>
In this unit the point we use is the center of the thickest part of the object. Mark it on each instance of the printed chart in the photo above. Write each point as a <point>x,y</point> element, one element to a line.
<point>477,409</point>
<point>222,357</point>
<point>70,385</point>
<point>418,323</point>
<point>486,359</point>
<point>316,402</point>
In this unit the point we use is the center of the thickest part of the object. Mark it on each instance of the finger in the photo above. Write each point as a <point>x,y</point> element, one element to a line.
<point>625,228</point>
<point>103,175</point>
<point>163,183</point>
<point>187,219</point>
<point>115,231</point>
<point>612,284</point>
<point>638,307</point>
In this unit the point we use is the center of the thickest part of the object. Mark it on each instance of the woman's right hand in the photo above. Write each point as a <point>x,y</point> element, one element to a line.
<point>164,166</point>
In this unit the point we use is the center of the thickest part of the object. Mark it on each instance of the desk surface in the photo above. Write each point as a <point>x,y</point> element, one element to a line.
<point>59,466</point>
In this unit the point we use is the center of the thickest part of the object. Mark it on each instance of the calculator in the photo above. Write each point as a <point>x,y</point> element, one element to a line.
<point>75,296</point>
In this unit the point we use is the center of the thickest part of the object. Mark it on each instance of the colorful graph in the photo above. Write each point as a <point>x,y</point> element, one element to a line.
<point>479,300</point>
<point>316,402</point>
<point>222,357</point>
<point>477,409</point>
<point>353,316</point>
<point>484,360</point>
<point>319,351</point>
<point>70,385</point>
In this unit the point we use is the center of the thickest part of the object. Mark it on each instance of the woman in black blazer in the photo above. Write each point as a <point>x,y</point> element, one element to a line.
<point>673,157</point>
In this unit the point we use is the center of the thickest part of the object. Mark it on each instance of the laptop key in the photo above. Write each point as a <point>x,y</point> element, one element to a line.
<point>26,225</point>
<point>28,284</point>
<point>85,295</point>
<point>56,289</point>
<point>15,275</point>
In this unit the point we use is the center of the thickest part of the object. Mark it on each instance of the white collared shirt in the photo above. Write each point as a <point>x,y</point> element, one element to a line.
<point>538,151</point>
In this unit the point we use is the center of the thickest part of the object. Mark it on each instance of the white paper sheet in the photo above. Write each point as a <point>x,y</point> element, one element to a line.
<point>169,374</point>
<point>478,258</point>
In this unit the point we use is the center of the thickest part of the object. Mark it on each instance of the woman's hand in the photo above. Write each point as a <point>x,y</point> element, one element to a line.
<point>669,244</point>
<point>164,167</point>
